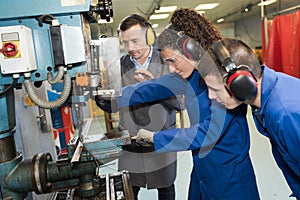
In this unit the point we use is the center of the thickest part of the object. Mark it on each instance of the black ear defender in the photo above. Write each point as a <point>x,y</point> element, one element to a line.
<point>150,34</point>
<point>240,81</point>
<point>188,46</point>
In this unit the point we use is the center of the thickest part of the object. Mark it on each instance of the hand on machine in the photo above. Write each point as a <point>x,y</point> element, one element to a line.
<point>144,138</point>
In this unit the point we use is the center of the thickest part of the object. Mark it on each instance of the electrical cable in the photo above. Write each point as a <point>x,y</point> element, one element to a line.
<point>45,19</point>
<point>58,77</point>
<point>11,86</point>
<point>1,192</point>
<point>53,104</point>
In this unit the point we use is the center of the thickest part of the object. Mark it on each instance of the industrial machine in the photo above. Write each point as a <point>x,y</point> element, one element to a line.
<point>51,41</point>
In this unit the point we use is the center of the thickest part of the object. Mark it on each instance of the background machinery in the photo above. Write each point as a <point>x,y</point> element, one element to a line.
<point>50,41</point>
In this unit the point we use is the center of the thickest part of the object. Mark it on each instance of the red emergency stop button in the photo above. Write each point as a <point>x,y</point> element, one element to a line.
<point>9,49</point>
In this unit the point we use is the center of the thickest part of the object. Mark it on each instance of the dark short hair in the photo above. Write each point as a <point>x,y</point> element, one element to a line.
<point>240,53</point>
<point>132,20</point>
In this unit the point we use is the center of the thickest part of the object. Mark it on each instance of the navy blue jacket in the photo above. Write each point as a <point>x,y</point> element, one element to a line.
<point>219,139</point>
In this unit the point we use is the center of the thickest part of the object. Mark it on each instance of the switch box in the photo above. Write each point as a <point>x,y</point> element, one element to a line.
<point>17,50</point>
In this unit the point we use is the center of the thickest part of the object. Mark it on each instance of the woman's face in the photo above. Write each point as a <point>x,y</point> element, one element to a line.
<point>178,63</point>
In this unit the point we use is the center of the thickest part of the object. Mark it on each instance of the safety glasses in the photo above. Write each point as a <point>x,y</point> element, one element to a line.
<point>172,60</point>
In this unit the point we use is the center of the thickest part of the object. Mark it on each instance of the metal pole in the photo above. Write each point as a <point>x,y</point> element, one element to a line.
<point>265,21</point>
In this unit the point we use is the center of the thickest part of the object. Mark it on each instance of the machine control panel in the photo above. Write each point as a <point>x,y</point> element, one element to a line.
<point>17,50</point>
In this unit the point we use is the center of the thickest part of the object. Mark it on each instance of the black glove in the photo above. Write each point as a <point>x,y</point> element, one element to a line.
<point>107,104</point>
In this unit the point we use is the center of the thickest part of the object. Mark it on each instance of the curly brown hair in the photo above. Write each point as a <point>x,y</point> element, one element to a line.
<point>196,26</point>
<point>188,23</point>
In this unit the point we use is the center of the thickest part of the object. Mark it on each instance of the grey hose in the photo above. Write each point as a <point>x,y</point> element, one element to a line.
<point>53,104</point>
<point>58,77</point>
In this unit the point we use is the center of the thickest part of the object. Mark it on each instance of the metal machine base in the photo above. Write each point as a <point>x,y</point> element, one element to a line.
<point>113,186</point>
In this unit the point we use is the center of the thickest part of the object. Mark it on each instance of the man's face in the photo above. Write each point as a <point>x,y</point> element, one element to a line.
<point>178,63</point>
<point>134,40</point>
<point>217,90</point>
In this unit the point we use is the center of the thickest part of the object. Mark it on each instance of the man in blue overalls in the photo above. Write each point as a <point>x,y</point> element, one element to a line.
<point>275,104</point>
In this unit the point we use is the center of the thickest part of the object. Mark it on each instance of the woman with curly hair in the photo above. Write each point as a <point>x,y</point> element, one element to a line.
<point>218,138</point>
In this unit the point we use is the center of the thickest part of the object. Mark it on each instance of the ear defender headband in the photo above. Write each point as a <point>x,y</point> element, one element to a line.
<point>188,46</point>
<point>150,34</point>
<point>240,81</point>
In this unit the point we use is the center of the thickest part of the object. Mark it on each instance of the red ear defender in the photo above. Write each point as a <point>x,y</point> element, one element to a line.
<point>242,84</point>
<point>240,81</point>
<point>188,46</point>
<point>184,49</point>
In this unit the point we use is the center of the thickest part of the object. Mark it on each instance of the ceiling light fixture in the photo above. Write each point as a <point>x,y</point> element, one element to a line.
<point>220,20</point>
<point>267,2</point>
<point>159,16</point>
<point>154,25</point>
<point>206,6</point>
<point>165,9</point>
<point>202,12</point>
